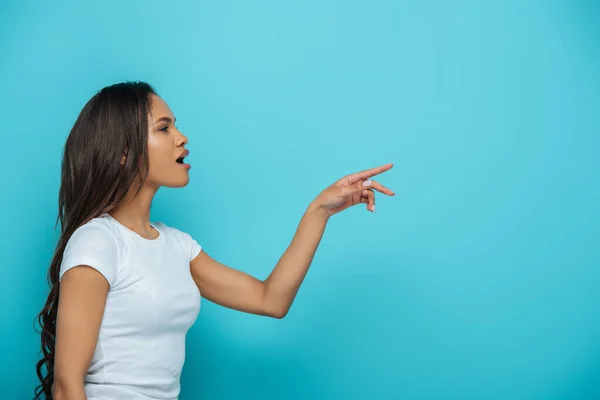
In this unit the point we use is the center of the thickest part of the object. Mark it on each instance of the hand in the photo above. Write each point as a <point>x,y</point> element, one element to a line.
<point>351,190</point>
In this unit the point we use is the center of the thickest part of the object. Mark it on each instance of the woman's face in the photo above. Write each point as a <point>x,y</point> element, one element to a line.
<point>165,148</point>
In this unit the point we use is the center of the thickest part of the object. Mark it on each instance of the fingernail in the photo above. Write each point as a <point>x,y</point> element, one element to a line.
<point>373,207</point>
<point>367,182</point>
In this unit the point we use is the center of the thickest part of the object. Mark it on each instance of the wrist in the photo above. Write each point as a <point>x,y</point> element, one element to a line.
<point>318,211</point>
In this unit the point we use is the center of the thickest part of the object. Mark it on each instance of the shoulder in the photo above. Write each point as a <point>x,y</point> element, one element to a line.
<point>96,235</point>
<point>187,243</point>
<point>98,229</point>
<point>96,244</point>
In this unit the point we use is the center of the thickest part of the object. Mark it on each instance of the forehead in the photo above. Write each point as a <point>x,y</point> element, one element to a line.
<point>159,108</point>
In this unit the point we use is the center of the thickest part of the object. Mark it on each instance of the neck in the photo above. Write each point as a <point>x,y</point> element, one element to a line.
<point>134,211</point>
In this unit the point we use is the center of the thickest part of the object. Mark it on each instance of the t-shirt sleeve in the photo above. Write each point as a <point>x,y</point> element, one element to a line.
<point>95,246</point>
<point>191,245</point>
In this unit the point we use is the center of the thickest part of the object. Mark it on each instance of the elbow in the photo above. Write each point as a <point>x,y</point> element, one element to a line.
<point>67,389</point>
<point>278,314</point>
<point>275,311</point>
<point>274,305</point>
<point>59,391</point>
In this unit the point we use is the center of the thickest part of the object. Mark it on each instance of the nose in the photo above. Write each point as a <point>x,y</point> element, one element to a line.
<point>182,139</point>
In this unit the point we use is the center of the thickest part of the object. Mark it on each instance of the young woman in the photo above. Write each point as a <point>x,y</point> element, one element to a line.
<point>124,290</point>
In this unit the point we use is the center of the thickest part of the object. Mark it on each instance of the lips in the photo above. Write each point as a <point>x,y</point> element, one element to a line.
<point>183,155</point>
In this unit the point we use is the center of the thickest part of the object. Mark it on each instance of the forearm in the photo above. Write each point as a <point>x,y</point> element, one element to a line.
<point>284,281</point>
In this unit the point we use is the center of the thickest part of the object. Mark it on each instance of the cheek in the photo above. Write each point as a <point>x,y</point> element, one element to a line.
<point>158,153</point>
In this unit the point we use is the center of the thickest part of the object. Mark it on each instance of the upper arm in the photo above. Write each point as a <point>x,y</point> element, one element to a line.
<point>83,292</point>
<point>88,269</point>
<point>229,287</point>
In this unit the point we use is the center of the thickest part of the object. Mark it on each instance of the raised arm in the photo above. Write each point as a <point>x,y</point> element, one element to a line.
<point>83,292</point>
<point>274,296</point>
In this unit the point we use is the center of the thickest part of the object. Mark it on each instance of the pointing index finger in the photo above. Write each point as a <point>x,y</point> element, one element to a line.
<point>366,174</point>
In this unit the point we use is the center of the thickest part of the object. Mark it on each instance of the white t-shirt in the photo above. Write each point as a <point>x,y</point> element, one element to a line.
<point>151,304</point>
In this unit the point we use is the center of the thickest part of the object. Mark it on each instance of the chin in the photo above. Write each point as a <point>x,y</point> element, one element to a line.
<point>182,184</point>
<point>178,184</point>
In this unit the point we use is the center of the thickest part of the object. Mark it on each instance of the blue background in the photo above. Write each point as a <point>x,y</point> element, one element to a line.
<point>479,280</point>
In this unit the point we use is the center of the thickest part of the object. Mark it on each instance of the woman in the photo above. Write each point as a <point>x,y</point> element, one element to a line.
<point>124,290</point>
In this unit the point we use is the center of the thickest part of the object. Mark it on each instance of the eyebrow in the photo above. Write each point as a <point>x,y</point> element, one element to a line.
<point>164,119</point>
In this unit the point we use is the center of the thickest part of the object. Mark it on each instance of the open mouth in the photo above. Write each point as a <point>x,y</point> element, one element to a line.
<point>182,157</point>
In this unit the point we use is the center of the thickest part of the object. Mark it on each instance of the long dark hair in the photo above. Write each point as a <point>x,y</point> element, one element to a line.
<point>93,181</point>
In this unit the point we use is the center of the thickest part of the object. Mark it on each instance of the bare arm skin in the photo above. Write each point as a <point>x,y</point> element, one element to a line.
<point>274,296</point>
<point>83,292</point>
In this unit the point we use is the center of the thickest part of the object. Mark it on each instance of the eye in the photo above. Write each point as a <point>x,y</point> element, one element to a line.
<point>164,128</point>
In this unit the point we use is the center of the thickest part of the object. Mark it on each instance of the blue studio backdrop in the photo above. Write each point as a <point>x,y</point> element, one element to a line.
<point>479,280</point>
